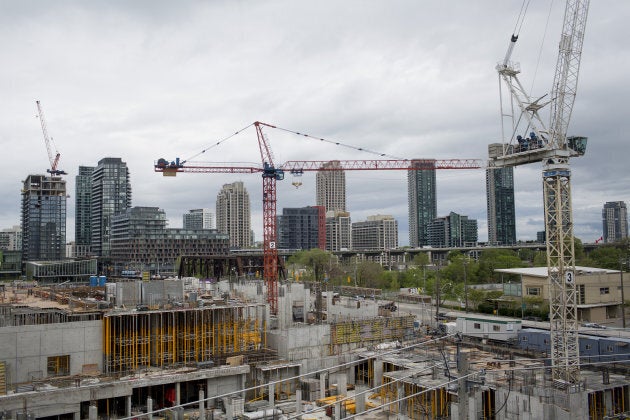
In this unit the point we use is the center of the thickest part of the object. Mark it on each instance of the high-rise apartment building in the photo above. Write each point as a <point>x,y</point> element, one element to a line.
<point>331,187</point>
<point>83,210</point>
<point>233,214</point>
<point>43,218</point>
<point>500,206</point>
<point>198,219</point>
<point>111,194</point>
<point>615,221</point>
<point>377,232</point>
<point>453,230</point>
<point>302,228</point>
<point>338,231</point>
<point>422,202</point>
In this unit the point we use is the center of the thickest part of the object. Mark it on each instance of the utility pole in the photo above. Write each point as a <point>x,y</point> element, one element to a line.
<point>465,286</point>
<point>623,299</point>
<point>437,293</point>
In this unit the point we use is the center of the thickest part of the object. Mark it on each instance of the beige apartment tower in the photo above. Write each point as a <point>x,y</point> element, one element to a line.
<point>331,187</point>
<point>233,214</point>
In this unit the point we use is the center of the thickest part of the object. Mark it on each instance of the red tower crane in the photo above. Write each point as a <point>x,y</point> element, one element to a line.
<point>54,161</point>
<point>272,173</point>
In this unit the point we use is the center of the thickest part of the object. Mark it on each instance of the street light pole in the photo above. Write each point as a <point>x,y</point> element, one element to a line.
<point>623,299</point>
<point>437,293</point>
<point>465,287</point>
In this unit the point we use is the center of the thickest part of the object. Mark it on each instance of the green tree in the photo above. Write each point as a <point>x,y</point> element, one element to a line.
<point>607,256</point>
<point>492,259</point>
<point>540,259</point>
<point>475,297</point>
<point>369,274</point>
<point>421,259</point>
<point>317,260</point>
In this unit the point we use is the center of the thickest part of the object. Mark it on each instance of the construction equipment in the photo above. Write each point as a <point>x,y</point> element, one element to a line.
<point>54,161</point>
<point>553,148</point>
<point>272,173</point>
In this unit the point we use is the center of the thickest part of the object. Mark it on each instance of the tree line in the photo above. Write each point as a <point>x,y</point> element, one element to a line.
<point>453,276</point>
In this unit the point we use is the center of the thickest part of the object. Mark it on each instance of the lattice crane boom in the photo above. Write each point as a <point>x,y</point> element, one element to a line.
<point>271,174</point>
<point>553,148</point>
<point>54,160</point>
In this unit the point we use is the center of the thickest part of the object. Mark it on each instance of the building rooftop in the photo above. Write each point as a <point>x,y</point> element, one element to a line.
<point>542,271</point>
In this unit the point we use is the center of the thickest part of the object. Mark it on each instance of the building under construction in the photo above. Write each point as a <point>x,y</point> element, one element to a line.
<point>125,349</point>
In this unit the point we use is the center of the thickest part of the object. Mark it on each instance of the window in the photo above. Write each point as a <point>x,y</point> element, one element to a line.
<point>588,347</point>
<point>533,291</point>
<point>524,338</point>
<point>604,290</point>
<point>477,326</point>
<point>59,365</point>
<point>496,328</point>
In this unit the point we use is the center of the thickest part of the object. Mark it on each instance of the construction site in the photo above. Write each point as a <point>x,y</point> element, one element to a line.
<point>217,343</point>
<point>77,352</point>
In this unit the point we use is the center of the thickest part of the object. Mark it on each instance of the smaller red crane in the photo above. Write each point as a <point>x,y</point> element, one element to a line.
<point>54,161</point>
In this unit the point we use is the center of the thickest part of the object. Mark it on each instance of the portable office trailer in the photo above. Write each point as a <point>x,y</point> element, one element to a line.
<point>489,327</point>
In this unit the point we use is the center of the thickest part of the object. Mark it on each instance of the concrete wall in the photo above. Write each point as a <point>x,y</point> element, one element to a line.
<point>364,308</point>
<point>303,342</point>
<point>26,349</point>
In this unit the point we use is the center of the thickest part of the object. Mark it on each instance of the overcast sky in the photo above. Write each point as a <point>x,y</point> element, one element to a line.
<point>141,80</point>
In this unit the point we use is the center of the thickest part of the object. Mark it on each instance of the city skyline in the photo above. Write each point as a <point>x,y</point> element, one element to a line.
<point>386,78</point>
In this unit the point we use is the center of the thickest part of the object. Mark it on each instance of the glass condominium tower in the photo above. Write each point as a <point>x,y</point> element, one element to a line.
<point>500,206</point>
<point>43,218</point>
<point>111,194</point>
<point>82,206</point>
<point>422,203</point>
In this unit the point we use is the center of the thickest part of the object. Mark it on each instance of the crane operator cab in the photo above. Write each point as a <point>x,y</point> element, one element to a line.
<point>577,144</point>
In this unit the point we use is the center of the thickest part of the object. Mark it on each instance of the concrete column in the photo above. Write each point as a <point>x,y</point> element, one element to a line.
<point>608,402</point>
<point>342,384</point>
<point>77,415</point>
<point>128,408</point>
<point>378,373</point>
<point>150,407</point>
<point>178,393</point>
<point>322,385</point>
<point>351,376</point>
<point>402,403</point>
<point>93,412</point>
<point>210,402</point>
<point>272,395</point>
<point>359,400</point>
<point>229,411</point>
<point>298,400</point>
<point>337,414</point>
<point>202,406</point>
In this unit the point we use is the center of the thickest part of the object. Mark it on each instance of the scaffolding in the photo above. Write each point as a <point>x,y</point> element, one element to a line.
<point>373,330</point>
<point>184,337</point>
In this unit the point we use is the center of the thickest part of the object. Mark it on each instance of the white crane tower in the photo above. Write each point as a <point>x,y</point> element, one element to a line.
<point>530,141</point>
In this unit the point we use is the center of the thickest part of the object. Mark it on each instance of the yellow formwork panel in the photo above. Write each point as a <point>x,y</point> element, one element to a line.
<point>167,338</point>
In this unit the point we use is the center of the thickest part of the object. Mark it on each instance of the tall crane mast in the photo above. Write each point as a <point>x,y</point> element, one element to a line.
<point>272,173</point>
<point>553,148</point>
<point>54,160</point>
